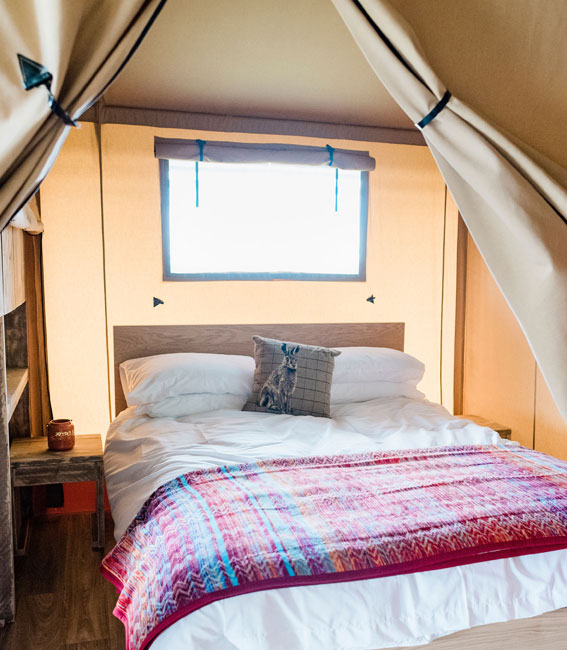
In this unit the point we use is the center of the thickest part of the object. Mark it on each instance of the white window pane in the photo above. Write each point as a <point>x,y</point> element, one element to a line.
<point>263,219</point>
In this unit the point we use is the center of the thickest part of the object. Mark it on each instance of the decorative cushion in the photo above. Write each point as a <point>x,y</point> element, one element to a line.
<point>291,378</point>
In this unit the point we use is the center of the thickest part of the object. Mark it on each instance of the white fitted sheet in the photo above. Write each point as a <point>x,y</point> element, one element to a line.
<point>143,453</point>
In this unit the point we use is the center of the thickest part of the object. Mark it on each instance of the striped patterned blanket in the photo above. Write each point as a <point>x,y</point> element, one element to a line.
<point>223,531</point>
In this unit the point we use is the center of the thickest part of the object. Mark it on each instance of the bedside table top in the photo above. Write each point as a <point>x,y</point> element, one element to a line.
<point>483,422</point>
<point>34,450</point>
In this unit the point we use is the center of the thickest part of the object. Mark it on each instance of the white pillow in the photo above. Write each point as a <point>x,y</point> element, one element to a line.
<point>151,379</point>
<point>361,364</point>
<point>182,405</point>
<point>358,391</point>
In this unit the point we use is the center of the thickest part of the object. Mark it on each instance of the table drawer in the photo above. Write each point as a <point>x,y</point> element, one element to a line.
<point>46,473</point>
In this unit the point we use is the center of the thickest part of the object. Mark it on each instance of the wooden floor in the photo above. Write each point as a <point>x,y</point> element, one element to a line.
<point>62,600</point>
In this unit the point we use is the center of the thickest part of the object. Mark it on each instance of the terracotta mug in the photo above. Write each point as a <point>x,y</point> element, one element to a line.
<point>60,435</point>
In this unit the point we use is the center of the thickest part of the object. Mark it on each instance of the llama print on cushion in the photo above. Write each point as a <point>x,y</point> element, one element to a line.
<point>281,383</point>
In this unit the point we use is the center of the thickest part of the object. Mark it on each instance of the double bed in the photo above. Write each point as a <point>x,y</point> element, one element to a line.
<point>512,602</point>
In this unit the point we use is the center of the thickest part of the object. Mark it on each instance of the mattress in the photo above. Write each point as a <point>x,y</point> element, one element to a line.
<point>143,453</point>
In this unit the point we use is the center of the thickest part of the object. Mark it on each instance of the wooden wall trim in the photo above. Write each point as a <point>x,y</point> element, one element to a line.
<point>460,316</point>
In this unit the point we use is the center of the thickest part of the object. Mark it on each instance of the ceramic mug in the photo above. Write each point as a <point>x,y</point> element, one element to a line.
<point>60,435</point>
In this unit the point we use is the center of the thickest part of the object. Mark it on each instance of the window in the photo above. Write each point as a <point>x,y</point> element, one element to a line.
<point>260,220</point>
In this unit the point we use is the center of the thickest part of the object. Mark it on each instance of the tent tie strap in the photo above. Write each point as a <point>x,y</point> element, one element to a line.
<point>61,113</point>
<point>434,112</point>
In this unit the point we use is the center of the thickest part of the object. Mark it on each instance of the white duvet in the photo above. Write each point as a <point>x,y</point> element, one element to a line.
<point>142,453</point>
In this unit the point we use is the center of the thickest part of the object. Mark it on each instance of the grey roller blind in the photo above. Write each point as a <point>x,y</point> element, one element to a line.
<point>239,152</point>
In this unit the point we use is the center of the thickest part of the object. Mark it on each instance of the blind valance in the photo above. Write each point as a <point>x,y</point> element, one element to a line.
<point>241,152</point>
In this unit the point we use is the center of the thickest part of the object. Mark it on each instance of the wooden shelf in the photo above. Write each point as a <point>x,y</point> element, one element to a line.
<point>16,381</point>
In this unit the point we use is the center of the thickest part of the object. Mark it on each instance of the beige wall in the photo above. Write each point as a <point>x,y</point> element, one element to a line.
<point>74,289</point>
<point>407,233</point>
<point>501,378</point>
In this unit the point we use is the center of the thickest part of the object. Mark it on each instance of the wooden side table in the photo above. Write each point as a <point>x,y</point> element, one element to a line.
<point>32,463</point>
<point>501,430</point>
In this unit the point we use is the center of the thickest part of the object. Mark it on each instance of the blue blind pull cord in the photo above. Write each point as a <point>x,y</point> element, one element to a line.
<point>201,144</point>
<point>331,151</point>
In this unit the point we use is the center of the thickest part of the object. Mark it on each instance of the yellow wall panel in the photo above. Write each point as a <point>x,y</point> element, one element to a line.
<point>551,429</point>
<point>405,236</point>
<point>449,302</point>
<point>499,369</point>
<point>406,231</point>
<point>501,378</point>
<point>74,291</point>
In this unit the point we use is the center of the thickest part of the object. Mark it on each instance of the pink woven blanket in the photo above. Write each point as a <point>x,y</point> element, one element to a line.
<point>223,531</point>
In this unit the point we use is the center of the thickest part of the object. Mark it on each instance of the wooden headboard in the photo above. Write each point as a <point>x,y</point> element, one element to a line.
<point>132,342</point>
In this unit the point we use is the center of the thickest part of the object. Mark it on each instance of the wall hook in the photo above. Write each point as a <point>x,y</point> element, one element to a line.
<point>157,301</point>
<point>371,299</point>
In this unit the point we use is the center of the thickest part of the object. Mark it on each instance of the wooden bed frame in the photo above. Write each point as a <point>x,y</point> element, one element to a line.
<point>545,632</point>
<point>132,342</point>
